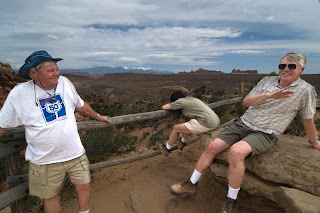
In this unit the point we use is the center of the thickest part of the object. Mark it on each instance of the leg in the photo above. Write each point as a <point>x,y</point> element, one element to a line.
<point>189,187</point>
<point>52,205</point>
<point>84,196</point>
<point>186,135</point>
<point>174,135</point>
<point>215,147</point>
<point>237,154</point>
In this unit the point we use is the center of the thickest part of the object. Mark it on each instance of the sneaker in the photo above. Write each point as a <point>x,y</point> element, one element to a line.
<point>228,205</point>
<point>184,188</point>
<point>163,149</point>
<point>181,145</point>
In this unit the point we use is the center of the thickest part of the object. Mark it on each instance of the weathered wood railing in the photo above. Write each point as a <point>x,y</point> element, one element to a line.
<point>13,141</point>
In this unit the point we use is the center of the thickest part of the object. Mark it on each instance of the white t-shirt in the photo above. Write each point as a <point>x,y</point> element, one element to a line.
<point>50,128</point>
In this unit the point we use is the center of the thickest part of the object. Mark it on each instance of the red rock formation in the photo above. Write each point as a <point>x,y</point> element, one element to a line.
<point>8,79</point>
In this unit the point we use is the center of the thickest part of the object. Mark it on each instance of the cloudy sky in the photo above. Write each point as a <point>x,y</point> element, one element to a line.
<point>175,35</point>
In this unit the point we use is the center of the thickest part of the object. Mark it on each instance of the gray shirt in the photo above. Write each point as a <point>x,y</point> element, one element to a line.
<point>194,108</point>
<point>274,116</point>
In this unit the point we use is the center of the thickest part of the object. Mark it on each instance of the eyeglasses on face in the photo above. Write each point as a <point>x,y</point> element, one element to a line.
<point>290,66</point>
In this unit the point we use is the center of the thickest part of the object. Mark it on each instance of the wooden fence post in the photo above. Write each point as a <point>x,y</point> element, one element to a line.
<point>14,166</point>
<point>241,89</point>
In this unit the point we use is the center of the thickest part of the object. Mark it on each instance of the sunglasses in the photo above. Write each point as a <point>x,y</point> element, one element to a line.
<point>290,66</point>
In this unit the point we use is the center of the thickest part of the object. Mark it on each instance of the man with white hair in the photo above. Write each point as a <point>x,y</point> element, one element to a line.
<point>45,106</point>
<point>273,103</point>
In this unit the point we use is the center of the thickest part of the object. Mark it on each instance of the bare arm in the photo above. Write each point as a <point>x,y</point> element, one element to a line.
<point>253,100</point>
<point>1,131</point>
<point>311,131</point>
<point>87,110</point>
<point>166,107</point>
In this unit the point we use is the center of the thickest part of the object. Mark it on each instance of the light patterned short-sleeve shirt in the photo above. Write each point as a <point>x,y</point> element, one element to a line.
<point>275,115</point>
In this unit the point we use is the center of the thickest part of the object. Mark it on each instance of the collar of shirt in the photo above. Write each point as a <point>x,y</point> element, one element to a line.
<point>293,84</point>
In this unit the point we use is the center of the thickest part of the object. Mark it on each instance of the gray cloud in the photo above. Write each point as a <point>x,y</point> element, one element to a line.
<point>164,33</point>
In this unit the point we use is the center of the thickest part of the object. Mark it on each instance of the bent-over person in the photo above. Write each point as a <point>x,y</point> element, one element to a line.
<point>202,119</point>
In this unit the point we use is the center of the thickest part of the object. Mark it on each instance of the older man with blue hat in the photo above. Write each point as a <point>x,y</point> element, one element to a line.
<point>45,106</point>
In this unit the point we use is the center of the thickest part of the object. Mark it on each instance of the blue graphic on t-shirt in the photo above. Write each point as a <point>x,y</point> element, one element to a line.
<point>53,108</point>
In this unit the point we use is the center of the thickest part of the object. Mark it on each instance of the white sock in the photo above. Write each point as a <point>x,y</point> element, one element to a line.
<point>168,146</point>
<point>183,140</point>
<point>84,211</point>
<point>195,177</point>
<point>233,193</point>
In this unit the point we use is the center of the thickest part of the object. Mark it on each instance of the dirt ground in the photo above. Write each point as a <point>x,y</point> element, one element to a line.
<point>143,187</point>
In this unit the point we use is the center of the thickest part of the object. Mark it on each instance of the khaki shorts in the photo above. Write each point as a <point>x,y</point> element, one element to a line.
<point>45,181</point>
<point>196,128</point>
<point>259,142</point>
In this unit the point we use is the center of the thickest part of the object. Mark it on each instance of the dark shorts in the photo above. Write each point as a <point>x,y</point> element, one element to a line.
<point>259,142</point>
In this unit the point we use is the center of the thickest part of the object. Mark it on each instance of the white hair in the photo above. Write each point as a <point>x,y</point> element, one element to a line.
<point>294,56</point>
<point>38,67</point>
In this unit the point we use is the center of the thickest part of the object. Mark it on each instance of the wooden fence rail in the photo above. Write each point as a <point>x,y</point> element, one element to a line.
<point>12,142</point>
<point>16,135</point>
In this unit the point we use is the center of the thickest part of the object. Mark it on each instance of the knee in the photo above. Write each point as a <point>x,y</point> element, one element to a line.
<point>235,154</point>
<point>212,148</point>
<point>83,187</point>
<point>175,128</point>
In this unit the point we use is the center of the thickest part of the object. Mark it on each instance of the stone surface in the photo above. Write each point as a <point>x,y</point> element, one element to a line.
<point>285,174</point>
<point>8,79</point>
<point>296,201</point>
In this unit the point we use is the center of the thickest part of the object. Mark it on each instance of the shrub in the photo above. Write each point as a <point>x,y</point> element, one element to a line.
<point>145,134</point>
<point>200,91</point>
<point>296,127</point>
<point>158,136</point>
<point>102,143</point>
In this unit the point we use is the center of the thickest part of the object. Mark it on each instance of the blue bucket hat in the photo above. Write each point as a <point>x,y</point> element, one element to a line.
<point>33,60</point>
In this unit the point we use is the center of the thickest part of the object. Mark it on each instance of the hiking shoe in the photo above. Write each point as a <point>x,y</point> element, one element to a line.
<point>163,149</point>
<point>185,188</point>
<point>228,205</point>
<point>180,144</point>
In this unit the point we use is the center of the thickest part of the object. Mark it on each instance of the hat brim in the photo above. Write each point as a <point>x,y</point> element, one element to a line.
<point>24,70</point>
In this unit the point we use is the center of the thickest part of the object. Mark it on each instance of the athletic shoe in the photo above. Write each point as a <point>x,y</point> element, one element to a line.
<point>185,188</point>
<point>181,145</point>
<point>228,205</point>
<point>163,149</point>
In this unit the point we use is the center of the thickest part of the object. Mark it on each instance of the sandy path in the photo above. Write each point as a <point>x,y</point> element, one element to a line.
<point>143,187</point>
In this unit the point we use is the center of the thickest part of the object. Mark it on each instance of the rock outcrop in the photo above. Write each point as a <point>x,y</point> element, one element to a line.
<point>288,175</point>
<point>8,79</point>
<point>244,71</point>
